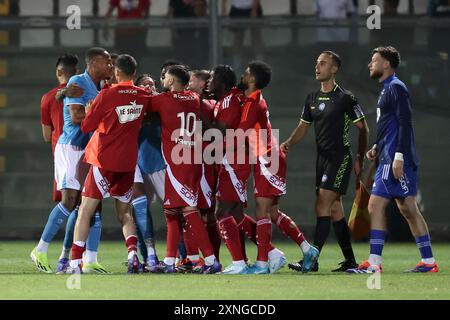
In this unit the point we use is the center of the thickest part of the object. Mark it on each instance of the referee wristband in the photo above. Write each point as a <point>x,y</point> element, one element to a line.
<point>398,156</point>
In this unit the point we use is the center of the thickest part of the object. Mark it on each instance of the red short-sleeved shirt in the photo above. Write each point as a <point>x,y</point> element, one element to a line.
<point>131,9</point>
<point>52,113</point>
<point>179,112</point>
<point>255,115</point>
<point>116,116</point>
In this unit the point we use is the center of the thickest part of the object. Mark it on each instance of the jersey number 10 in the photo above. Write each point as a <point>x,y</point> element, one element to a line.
<point>187,121</point>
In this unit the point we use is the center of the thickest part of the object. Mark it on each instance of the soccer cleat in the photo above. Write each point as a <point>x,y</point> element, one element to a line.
<point>151,263</point>
<point>62,266</point>
<point>94,267</point>
<point>161,267</point>
<point>424,268</point>
<point>297,266</point>
<point>185,266</point>
<point>41,261</point>
<point>77,270</point>
<point>365,267</point>
<point>345,265</point>
<point>134,265</point>
<point>198,266</point>
<point>216,267</point>
<point>309,259</point>
<point>257,269</point>
<point>235,269</point>
<point>277,263</point>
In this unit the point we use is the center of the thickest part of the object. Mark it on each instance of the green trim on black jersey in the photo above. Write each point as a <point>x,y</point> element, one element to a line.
<point>341,172</point>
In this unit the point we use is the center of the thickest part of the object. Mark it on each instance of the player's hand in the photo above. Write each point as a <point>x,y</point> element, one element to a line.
<point>88,106</point>
<point>397,169</point>
<point>372,154</point>
<point>284,147</point>
<point>254,13</point>
<point>74,91</point>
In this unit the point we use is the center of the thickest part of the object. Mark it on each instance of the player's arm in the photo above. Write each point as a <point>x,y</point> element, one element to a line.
<point>302,128</point>
<point>296,136</point>
<point>71,91</point>
<point>363,141</point>
<point>46,119</point>
<point>47,133</point>
<point>354,111</point>
<point>403,114</point>
<point>94,114</point>
<point>77,113</point>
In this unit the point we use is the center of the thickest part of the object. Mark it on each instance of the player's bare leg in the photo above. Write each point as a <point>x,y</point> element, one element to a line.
<point>85,214</point>
<point>409,209</point>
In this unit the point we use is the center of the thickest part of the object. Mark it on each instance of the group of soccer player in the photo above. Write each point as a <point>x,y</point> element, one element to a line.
<point>194,144</point>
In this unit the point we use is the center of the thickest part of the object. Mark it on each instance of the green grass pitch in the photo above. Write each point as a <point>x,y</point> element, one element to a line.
<point>20,280</point>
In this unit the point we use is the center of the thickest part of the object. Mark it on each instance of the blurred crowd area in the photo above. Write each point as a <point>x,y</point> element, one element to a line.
<point>141,9</point>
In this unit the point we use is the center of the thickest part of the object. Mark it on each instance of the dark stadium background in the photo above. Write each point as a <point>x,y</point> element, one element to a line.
<point>33,34</point>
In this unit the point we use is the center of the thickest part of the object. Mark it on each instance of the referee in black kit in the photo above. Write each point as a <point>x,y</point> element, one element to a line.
<point>332,109</point>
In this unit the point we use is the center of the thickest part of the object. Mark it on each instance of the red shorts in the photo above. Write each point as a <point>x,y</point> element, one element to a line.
<point>57,195</point>
<point>270,178</point>
<point>102,184</point>
<point>232,182</point>
<point>181,185</point>
<point>208,186</point>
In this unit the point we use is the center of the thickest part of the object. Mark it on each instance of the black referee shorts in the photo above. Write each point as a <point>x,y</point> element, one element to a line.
<point>333,173</point>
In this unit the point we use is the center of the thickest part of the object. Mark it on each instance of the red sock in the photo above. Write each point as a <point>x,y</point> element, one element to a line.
<point>214,237</point>
<point>288,227</point>
<point>263,236</point>
<point>173,232</point>
<point>248,225</point>
<point>131,243</point>
<point>199,232</point>
<point>230,235</point>
<point>242,240</point>
<point>189,241</point>
<point>77,252</point>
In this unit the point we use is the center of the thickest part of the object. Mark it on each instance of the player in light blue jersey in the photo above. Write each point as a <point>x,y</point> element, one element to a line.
<point>70,170</point>
<point>148,180</point>
<point>396,176</point>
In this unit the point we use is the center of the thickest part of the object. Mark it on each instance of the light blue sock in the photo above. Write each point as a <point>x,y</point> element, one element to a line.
<point>95,233</point>
<point>144,224</point>
<point>70,227</point>
<point>54,222</point>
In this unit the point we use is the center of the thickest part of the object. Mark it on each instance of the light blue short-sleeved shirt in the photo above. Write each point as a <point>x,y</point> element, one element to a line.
<point>72,133</point>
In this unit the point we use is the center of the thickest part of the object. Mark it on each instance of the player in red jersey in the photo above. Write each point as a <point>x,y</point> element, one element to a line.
<point>179,112</point>
<point>115,115</point>
<point>232,177</point>
<point>52,119</point>
<point>207,193</point>
<point>269,171</point>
